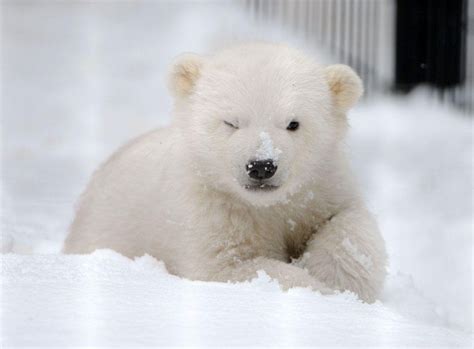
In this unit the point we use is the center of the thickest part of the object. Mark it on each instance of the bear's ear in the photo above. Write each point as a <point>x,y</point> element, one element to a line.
<point>184,74</point>
<point>345,85</point>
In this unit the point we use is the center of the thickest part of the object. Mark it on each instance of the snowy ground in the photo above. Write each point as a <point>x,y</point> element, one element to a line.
<point>78,79</point>
<point>105,299</point>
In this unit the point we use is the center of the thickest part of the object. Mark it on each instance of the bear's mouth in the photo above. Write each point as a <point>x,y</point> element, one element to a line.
<point>260,187</point>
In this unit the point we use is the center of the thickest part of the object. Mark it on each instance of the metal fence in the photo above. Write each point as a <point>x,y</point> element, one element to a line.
<point>362,34</point>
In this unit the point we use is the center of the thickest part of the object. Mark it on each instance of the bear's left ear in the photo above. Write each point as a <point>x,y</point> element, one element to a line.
<point>345,86</point>
<point>185,72</point>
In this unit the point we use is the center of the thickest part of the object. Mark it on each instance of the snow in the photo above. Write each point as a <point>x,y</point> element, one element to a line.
<point>413,157</point>
<point>292,224</point>
<point>360,257</point>
<point>105,299</point>
<point>266,150</point>
<point>84,77</point>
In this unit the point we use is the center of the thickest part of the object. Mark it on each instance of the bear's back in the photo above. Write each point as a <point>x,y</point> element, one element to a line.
<point>124,207</point>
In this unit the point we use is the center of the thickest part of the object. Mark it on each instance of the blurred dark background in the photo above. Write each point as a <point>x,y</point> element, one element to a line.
<point>394,45</point>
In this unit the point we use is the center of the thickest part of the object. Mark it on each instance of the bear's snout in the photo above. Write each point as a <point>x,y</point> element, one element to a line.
<point>261,169</point>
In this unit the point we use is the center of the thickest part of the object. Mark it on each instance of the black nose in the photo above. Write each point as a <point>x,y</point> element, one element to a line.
<point>261,169</point>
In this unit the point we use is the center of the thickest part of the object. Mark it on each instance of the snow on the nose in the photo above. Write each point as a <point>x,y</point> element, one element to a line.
<point>266,150</point>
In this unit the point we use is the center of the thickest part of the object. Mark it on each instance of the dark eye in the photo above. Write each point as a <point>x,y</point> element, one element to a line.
<point>230,124</point>
<point>293,126</point>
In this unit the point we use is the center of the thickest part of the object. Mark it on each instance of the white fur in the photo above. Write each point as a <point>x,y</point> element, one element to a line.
<point>179,193</point>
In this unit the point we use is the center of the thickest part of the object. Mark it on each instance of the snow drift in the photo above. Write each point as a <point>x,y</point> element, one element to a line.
<point>105,299</point>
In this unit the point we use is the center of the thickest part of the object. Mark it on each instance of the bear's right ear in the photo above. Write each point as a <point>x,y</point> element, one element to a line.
<point>345,86</point>
<point>184,74</point>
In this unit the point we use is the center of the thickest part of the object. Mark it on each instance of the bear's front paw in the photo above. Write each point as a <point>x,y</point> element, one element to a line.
<point>312,283</point>
<point>288,277</point>
<point>342,271</point>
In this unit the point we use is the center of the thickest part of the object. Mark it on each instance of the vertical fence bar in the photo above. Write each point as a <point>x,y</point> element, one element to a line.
<point>352,34</point>
<point>375,26</point>
<point>321,21</point>
<point>311,17</point>
<point>371,44</point>
<point>325,22</point>
<point>358,41</point>
<point>332,28</point>
<point>342,38</point>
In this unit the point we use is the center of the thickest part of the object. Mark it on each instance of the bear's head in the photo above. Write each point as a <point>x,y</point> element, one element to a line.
<point>261,121</point>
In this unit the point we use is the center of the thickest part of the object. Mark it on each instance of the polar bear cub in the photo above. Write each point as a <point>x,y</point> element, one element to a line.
<point>250,175</point>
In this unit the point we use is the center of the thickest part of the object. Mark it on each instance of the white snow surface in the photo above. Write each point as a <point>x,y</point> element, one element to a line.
<point>105,299</point>
<point>83,78</point>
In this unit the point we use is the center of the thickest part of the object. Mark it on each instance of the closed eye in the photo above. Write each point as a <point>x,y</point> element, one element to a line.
<point>231,125</point>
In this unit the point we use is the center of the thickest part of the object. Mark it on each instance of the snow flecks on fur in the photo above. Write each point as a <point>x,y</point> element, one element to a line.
<point>292,224</point>
<point>363,259</point>
<point>309,196</point>
<point>266,150</point>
